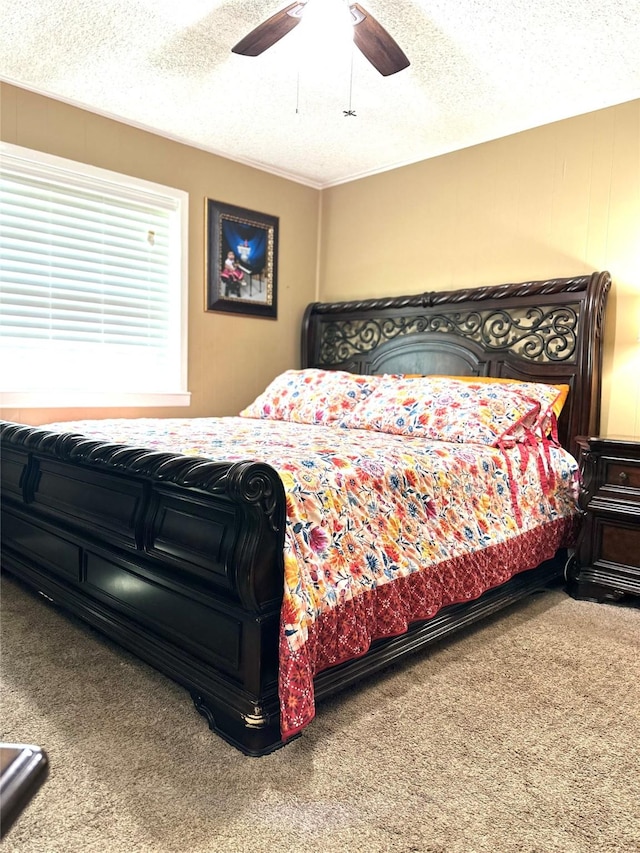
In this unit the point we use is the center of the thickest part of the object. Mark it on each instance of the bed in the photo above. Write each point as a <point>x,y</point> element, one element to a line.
<point>185,557</point>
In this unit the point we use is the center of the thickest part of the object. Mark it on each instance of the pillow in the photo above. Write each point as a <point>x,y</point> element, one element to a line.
<point>311,396</point>
<point>551,397</point>
<point>445,409</point>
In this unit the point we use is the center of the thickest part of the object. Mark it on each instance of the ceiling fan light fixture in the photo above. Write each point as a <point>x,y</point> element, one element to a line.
<point>327,23</point>
<point>370,37</point>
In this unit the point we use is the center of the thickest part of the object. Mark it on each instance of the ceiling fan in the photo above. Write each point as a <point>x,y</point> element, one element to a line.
<point>370,37</point>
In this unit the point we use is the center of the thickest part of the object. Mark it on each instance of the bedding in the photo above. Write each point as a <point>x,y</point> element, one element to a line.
<point>444,409</point>
<point>540,391</point>
<point>382,529</point>
<point>311,396</point>
<point>533,389</point>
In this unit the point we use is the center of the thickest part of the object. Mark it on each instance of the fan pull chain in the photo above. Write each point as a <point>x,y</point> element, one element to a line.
<point>350,111</point>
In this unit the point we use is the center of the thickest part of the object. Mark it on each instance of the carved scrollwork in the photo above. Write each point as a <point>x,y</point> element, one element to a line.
<point>601,300</point>
<point>541,334</point>
<point>432,298</point>
<point>258,483</point>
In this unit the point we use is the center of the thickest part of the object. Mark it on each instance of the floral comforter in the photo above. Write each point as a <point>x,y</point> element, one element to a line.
<point>382,530</point>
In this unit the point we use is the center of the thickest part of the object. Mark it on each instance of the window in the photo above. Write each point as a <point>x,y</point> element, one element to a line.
<point>93,286</point>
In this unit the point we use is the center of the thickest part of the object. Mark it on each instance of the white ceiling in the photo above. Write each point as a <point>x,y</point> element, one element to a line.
<point>479,71</point>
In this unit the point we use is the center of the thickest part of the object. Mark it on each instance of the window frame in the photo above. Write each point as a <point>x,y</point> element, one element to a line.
<point>37,161</point>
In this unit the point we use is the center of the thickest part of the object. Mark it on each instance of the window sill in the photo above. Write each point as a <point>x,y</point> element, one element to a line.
<point>89,399</point>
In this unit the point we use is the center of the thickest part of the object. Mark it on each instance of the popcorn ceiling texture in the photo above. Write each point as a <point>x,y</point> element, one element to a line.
<point>479,71</point>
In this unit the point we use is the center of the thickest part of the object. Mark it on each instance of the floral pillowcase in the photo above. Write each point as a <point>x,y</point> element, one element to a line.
<point>551,398</point>
<point>445,409</point>
<point>442,408</point>
<point>311,396</point>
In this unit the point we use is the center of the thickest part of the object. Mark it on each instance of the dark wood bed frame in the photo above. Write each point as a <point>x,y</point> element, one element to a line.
<point>179,559</point>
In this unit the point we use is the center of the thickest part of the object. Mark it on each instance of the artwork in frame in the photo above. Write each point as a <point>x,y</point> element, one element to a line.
<point>242,260</point>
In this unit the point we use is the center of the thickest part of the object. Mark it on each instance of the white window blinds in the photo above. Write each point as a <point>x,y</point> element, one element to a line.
<point>92,284</point>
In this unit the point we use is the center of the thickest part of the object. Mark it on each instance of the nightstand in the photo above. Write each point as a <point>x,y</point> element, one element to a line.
<point>607,565</point>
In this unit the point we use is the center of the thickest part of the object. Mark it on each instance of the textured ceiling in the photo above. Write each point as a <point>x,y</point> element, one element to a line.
<point>479,71</point>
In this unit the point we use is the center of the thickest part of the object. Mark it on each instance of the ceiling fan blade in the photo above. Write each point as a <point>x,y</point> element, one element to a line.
<point>270,31</point>
<point>375,43</point>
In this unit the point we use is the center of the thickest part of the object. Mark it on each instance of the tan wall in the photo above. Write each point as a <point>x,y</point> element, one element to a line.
<point>560,200</point>
<point>231,358</point>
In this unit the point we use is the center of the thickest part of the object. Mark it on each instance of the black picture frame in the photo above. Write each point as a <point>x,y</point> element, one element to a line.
<point>241,260</point>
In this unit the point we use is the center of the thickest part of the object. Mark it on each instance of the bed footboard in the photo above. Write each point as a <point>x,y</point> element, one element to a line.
<point>177,558</point>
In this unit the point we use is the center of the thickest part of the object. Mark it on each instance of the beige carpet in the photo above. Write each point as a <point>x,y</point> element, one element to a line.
<point>523,734</point>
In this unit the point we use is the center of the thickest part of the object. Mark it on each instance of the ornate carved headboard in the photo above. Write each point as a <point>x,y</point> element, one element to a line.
<point>543,331</point>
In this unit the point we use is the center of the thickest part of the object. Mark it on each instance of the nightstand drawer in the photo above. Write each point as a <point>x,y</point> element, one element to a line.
<point>622,473</point>
<point>619,544</point>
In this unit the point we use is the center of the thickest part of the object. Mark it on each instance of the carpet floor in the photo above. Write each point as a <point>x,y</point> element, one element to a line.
<point>521,735</point>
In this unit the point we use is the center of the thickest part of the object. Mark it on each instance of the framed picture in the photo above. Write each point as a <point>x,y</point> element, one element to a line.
<point>241,260</point>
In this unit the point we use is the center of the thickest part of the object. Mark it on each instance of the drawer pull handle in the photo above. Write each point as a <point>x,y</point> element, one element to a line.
<point>623,477</point>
